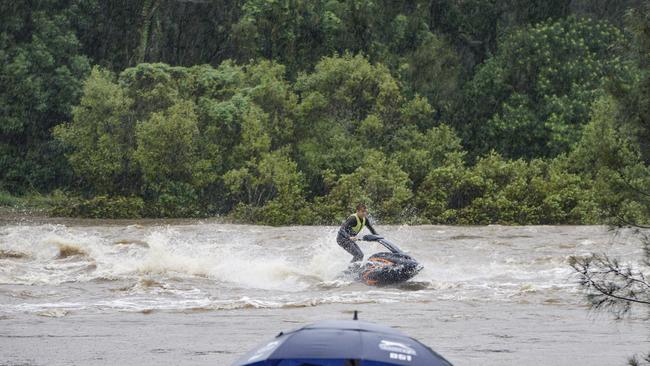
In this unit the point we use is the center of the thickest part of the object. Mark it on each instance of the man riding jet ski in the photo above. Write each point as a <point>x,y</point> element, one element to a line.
<point>381,268</point>
<point>351,228</point>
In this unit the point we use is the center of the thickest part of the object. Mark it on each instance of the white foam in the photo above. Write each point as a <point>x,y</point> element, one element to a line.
<point>228,266</point>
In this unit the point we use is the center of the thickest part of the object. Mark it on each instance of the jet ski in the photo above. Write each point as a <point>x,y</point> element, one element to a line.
<point>385,268</point>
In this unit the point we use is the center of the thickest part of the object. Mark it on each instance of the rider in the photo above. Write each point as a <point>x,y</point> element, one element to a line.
<point>350,229</point>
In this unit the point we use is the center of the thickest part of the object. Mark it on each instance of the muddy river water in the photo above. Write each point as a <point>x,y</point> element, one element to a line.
<point>203,293</point>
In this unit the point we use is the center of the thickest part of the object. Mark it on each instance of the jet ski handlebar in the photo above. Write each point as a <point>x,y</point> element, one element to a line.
<point>372,237</point>
<point>390,246</point>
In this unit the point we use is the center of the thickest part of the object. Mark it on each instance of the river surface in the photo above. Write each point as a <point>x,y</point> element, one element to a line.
<point>203,293</point>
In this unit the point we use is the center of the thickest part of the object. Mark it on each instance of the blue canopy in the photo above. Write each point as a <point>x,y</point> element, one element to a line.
<point>342,343</point>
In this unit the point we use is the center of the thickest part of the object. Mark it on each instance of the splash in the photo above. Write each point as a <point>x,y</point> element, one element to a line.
<point>67,250</point>
<point>11,254</point>
<point>224,267</point>
<point>141,243</point>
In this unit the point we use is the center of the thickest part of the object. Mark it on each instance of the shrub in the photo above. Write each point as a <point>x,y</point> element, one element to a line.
<point>101,207</point>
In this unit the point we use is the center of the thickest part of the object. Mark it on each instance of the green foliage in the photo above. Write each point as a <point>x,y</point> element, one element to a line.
<point>289,112</point>
<point>341,100</point>
<point>505,192</point>
<point>101,206</point>
<point>378,182</point>
<point>268,191</point>
<point>418,153</point>
<point>32,202</point>
<point>220,140</point>
<point>167,156</point>
<point>610,155</point>
<point>308,31</point>
<point>41,70</point>
<point>634,92</point>
<point>433,70</point>
<point>533,97</point>
<point>166,145</point>
<point>173,199</point>
<point>100,137</point>
<point>7,199</point>
<point>170,133</point>
<point>347,90</point>
<point>349,106</point>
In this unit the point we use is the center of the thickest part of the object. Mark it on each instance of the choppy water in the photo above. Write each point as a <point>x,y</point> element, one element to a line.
<point>98,292</point>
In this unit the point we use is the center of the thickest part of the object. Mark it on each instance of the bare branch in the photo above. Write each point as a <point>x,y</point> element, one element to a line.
<point>611,285</point>
<point>624,221</point>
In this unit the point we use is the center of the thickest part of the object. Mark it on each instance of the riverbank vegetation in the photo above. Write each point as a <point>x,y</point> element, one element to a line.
<point>291,112</point>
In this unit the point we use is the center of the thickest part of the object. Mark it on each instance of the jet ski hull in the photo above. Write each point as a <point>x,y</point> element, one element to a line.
<point>386,269</point>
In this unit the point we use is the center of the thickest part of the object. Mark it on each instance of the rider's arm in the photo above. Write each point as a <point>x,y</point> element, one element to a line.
<point>372,229</point>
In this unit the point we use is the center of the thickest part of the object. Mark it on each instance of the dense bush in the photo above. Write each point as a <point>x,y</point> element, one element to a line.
<point>41,71</point>
<point>610,156</point>
<point>507,192</point>
<point>378,181</point>
<point>533,97</point>
<point>197,141</point>
<point>101,207</point>
<point>271,112</point>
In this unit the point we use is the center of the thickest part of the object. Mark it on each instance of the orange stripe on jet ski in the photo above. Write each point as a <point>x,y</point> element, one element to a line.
<point>367,273</point>
<point>372,267</point>
<point>386,261</point>
<point>367,280</point>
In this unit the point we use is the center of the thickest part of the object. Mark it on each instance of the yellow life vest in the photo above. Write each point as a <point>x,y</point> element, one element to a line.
<point>360,224</point>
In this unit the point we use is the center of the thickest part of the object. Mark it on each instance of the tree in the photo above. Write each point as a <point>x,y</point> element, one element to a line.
<point>348,106</point>
<point>418,153</point>
<point>619,124</point>
<point>610,11</point>
<point>295,33</point>
<point>167,156</point>
<point>500,191</point>
<point>100,138</point>
<point>166,145</point>
<point>609,154</point>
<point>634,92</point>
<point>236,85</point>
<point>41,72</point>
<point>433,70</point>
<point>268,89</point>
<point>171,133</point>
<point>378,182</point>
<point>533,97</point>
<point>268,190</point>
<point>118,35</point>
<point>343,102</point>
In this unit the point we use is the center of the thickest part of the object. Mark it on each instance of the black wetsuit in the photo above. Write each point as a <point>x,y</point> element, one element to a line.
<point>345,232</point>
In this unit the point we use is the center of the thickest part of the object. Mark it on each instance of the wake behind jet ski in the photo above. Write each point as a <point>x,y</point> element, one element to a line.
<point>385,268</point>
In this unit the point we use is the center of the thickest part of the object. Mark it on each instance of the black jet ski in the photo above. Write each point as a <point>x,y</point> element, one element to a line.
<point>385,268</point>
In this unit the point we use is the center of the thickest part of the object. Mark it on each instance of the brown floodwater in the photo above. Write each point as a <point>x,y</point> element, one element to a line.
<point>189,292</point>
